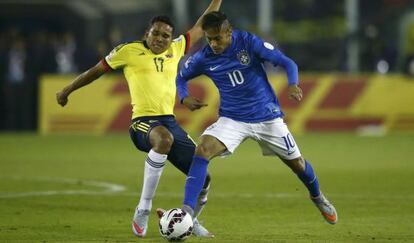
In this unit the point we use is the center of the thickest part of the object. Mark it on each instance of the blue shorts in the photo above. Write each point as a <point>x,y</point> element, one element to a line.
<point>182,150</point>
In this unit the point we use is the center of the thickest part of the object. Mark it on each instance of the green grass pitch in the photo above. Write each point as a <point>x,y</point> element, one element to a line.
<point>85,188</point>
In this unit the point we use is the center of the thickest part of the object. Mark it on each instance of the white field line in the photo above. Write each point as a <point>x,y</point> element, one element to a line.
<point>101,187</point>
<point>112,189</point>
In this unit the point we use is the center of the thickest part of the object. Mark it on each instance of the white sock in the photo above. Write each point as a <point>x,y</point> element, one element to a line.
<point>154,165</point>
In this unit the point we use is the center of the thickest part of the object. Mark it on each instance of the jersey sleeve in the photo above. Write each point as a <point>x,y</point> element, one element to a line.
<point>189,70</point>
<point>181,44</point>
<point>267,52</point>
<point>118,57</point>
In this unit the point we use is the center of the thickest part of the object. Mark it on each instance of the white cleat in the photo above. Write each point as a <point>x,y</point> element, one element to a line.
<point>327,209</point>
<point>200,231</point>
<point>140,222</point>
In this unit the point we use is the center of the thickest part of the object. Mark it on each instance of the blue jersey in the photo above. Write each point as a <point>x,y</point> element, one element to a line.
<point>239,75</point>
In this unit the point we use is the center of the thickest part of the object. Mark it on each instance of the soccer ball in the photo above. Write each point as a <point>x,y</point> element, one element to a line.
<point>176,225</point>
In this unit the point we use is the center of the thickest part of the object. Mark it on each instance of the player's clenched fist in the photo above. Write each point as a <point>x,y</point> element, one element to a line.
<point>61,98</point>
<point>193,103</point>
<point>295,92</point>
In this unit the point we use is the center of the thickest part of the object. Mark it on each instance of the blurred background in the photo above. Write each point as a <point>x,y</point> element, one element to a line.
<point>356,60</point>
<point>81,181</point>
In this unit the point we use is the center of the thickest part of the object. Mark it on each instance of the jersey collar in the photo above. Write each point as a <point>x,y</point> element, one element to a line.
<point>149,49</point>
<point>146,45</point>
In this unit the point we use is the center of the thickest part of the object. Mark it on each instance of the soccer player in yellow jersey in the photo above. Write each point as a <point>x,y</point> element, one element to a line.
<point>150,68</point>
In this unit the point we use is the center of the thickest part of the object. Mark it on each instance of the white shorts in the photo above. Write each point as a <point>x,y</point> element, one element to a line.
<point>273,136</point>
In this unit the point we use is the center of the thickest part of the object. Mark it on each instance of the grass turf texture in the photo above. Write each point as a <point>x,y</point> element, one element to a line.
<point>252,199</point>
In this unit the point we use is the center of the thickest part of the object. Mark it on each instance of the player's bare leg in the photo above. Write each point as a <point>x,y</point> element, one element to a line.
<point>305,172</point>
<point>161,140</point>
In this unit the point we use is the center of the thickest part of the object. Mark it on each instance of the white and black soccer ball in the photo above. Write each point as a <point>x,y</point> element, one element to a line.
<point>176,225</point>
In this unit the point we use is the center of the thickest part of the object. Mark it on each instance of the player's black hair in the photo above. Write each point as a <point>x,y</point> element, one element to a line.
<point>214,20</point>
<point>163,19</point>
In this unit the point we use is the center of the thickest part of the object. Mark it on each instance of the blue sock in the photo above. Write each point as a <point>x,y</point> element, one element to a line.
<point>195,181</point>
<point>308,178</point>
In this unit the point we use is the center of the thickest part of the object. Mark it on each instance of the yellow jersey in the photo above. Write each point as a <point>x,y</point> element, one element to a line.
<point>150,77</point>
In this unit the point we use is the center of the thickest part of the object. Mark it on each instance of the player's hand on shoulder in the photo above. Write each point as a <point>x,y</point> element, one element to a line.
<point>62,98</point>
<point>193,103</point>
<point>295,92</point>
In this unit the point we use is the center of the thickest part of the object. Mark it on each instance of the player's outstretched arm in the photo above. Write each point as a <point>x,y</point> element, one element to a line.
<point>294,91</point>
<point>182,78</point>
<point>83,79</point>
<point>196,32</point>
<point>268,52</point>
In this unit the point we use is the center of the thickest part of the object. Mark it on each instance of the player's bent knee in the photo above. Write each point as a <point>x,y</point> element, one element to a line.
<point>165,144</point>
<point>297,165</point>
<point>162,141</point>
<point>203,150</point>
<point>167,141</point>
<point>209,150</point>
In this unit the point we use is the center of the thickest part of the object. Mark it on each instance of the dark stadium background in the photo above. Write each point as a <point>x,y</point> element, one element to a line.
<point>69,36</point>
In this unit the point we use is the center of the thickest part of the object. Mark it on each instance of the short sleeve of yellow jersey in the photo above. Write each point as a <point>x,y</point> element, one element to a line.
<point>181,44</point>
<point>118,57</point>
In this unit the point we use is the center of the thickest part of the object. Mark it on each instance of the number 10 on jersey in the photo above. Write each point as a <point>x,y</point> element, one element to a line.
<point>236,77</point>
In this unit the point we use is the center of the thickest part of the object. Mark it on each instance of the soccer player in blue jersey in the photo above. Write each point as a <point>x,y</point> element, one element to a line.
<point>249,107</point>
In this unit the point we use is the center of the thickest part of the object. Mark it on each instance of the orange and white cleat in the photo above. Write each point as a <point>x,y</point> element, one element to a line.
<point>140,222</point>
<point>327,209</point>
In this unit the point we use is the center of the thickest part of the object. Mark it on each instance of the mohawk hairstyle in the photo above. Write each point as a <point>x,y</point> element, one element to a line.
<point>214,20</point>
<point>163,19</point>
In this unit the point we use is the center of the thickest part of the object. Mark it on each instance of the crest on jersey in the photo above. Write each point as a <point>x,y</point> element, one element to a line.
<point>243,57</point>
